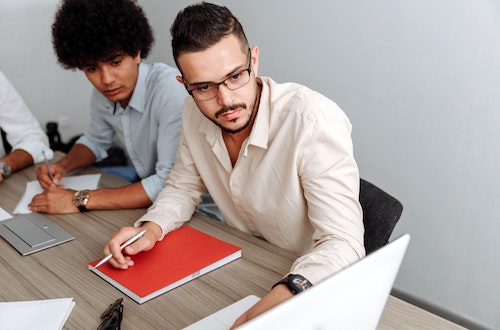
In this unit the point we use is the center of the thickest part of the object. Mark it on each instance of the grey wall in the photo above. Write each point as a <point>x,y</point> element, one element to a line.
<point>420,82</point>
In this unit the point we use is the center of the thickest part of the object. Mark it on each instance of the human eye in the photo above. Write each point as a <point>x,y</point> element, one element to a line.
<point>236,76</point>
<point>204,88</point>
<point>89,69</point>
<point>116,62</point>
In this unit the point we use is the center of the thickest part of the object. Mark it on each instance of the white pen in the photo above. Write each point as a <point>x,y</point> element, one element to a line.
<point>127,243</point>
<point>48,166</point>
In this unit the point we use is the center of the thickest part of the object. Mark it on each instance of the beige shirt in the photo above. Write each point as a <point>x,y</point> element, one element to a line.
<point>295,182</point>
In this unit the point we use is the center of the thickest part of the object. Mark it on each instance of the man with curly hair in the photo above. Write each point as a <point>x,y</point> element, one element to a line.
<point>136,103</point>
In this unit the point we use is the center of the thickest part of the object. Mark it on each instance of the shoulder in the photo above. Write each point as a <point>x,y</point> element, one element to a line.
<point>161,78</point>
<point>160,73</point>
<point>300,102</point>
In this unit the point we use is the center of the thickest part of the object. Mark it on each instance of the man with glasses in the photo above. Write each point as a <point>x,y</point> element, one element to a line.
<point>276,158</point>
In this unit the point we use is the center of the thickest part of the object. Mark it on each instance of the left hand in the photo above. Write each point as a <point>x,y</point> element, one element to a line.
<point>54,200</point>
<point>277,295</point>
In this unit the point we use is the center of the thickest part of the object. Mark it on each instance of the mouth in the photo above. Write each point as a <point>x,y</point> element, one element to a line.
<point>112,92</point>
<point>231,112</point>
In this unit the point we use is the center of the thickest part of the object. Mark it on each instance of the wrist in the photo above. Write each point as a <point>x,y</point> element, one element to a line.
<point>154,229</point>
<point>80,200</point>
<point>295,283</point>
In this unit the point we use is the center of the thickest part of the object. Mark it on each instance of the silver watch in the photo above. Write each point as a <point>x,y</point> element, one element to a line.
<point>5,169</point>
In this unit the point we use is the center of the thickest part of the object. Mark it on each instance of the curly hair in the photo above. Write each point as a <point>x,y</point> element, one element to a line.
<point>200,26</point>
<point>88,31</point>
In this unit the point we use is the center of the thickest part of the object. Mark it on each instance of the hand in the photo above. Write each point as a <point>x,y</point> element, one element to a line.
<point>1,177</point>
<point>276,296</point>
<point>54,200</point>
<point>42,174</point>
<point>122,259</point>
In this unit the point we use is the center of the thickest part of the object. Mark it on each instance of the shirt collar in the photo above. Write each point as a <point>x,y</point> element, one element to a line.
<point>259,135</point>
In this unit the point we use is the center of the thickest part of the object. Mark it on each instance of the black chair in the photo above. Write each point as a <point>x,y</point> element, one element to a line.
<point>381,212</point>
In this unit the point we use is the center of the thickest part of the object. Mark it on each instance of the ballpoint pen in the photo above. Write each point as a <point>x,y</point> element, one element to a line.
<point>127,243</point>
<point>48,166</point>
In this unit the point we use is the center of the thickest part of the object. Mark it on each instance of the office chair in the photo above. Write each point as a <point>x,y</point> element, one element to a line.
<point>381,212</point>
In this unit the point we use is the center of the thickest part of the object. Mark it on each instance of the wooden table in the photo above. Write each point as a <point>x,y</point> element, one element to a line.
<point>61,272</point>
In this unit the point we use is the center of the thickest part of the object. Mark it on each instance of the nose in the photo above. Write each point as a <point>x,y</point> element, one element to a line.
<point>107,76</point>
<point>224,94</point>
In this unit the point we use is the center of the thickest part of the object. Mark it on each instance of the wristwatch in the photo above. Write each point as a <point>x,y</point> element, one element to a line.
<point>295,283</point>
<point>80,199</point>
<point>5,169</point>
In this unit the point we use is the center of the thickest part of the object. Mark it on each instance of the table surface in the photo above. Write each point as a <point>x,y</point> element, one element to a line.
<point>61,272</point>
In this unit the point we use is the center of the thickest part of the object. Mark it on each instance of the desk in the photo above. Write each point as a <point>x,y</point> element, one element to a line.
<point>61,272</point>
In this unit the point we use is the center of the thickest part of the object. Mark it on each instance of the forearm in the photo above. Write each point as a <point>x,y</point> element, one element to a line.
<point>18,159</point>
<point>126,197</point>
<point>79,156</point>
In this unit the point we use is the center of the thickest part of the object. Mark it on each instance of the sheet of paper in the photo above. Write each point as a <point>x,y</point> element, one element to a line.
<point>76,182</point>
<point>4,215</point>
<point>47,314</point>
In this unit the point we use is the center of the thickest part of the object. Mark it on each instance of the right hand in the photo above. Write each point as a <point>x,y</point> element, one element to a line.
<point>42,174</point>
<point>122,259</point>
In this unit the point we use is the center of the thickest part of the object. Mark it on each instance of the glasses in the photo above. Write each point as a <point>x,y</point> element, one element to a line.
<point>112,316</point>
<point>209,90</point>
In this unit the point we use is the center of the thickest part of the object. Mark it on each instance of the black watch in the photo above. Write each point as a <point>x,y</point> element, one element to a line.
<point>295,283</point>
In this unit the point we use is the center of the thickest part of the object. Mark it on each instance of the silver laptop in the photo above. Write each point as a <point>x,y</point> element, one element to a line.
<point>353,298</point>
<point>32,232</point>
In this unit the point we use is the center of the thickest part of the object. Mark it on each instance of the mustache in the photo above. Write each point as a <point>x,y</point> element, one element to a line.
<point>225,109</point>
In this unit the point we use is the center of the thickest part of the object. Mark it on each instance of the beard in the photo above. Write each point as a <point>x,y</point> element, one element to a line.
<point>230,108</point>
<point>238,106</point>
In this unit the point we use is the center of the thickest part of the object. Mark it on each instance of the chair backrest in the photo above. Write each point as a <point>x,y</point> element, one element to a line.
<point>381,212</point>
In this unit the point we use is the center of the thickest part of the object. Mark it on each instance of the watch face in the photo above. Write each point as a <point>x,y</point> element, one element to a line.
<point>301,283</point>
<point>81,197</point>
<point>5,169</point>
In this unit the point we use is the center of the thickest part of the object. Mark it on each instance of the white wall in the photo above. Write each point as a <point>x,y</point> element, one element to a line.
<point>420,82</point>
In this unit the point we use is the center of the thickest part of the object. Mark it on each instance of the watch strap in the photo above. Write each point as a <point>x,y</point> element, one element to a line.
<point>295,283</point>
<point>82,208</point>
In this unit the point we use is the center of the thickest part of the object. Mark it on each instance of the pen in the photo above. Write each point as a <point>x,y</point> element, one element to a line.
<point>48,166</point>
<point>127,243</point>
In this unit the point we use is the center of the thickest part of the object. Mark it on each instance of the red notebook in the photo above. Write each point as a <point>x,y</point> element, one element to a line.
<point>184,254</point>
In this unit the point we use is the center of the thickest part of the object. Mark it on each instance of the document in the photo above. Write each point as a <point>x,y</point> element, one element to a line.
<point>47,314</point>
<point>76,182</point>
<point>4,215</point>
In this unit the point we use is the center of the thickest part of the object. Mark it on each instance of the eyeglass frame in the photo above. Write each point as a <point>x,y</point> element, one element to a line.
<point>223,82</point>
<point>110,313</point>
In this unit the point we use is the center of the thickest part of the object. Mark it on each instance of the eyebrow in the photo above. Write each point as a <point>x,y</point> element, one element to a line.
<point>237,69</point>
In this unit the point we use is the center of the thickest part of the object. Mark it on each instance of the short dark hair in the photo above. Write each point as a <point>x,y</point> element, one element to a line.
<point>200,26</point>
<point>87,31</point>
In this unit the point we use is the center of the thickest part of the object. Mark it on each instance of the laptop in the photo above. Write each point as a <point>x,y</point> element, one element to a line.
<point>353,298</point>
<point>32,232</point>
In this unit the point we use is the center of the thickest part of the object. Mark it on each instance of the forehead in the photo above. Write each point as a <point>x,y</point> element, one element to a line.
<point>213,63</point>
<point>111,57</point>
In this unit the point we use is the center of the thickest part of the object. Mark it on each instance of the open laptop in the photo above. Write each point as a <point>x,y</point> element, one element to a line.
<point>353,298</point>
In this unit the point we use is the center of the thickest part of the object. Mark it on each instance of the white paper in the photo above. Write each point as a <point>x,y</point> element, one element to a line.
<point>47,314</point>
<point>76,182</point>
<point>4,215</point>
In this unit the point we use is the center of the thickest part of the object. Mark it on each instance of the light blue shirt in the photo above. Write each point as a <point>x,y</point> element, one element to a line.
<point>148,129</point>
